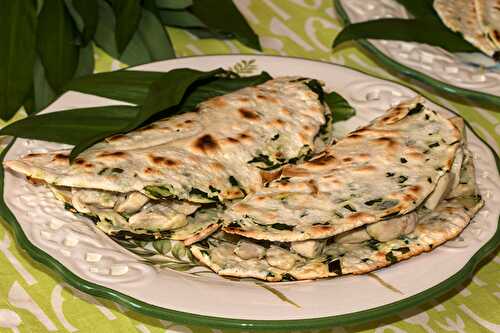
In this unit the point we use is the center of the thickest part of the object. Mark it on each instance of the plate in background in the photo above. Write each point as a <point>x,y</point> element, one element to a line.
<point>447,72</point>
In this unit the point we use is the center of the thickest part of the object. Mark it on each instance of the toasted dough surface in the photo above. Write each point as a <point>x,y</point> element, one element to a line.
<point>433,229</point>
<point>356,251</point>
<point>377,172</point>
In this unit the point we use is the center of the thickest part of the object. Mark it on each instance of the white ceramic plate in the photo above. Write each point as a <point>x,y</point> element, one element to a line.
<point>92,262</point>
<point>444,71</point>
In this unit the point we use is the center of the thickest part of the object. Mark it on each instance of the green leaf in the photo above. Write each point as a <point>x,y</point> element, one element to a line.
<point>133,86</point>
<point>137,51</point>
<point>72,126</point>
<point>134,54</point>
<point>223,16</point>
<point>163,246</point>
<point>105,31</point>
<point>154,34</point>
<point>127,17</point>
<point>17,54</point>
<point>182,19</point>
<point>56,43</point>
<point>178,250</point>
<point>43,93</point>
<point>340,108</point>
<point>169,91</point>
<point>419,9</point>
<point>129,86</point>
<point>39,5</point>
<point>29,103</point>
<point>173,4</point>
<point>206,33</point>
<point>77,20</point>
<point>87,10</point>
<point>412,30</point>
<point>85,61</point>
<point>218,87</point>
<point>105,36</point>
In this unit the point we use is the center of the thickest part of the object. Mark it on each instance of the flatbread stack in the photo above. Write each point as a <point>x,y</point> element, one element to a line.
<point>253,183</point>
<point>172,178</point>
<point>400,186</point>
<point>477,20</point>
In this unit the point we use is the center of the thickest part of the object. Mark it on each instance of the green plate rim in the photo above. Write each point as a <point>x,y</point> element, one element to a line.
<point>415,74</point>
<point>187,318</point>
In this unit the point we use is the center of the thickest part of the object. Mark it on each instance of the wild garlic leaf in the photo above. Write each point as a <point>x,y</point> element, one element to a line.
<point>173,4</point>
<point>43,93</point>
<point>223,16</point>
<point>420,8</point>
<point>128,86</point>
<point>85,61</point>
<point>153,34</point>
<point>56,35</point>
<point>339,106</point>
<point>204,33</point>
<point>410,30</point>
<point>17,54</point>
<point>87,10</point>
<point>72,126</point>
<point>180,19</point>
<point>127,16</point>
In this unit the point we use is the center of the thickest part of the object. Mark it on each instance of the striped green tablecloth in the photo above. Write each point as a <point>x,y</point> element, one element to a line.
<point>34,299</point>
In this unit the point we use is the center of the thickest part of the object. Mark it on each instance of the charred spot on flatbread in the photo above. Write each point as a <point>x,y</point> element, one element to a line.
<point>248,114</point>
<point>206,144</point>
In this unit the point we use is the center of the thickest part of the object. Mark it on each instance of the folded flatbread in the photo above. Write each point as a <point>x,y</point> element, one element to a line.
<point>378,172</point>
<point>147,182</point>
<point>279,262</point>
<point>360,250</point>
<point>477,20</point>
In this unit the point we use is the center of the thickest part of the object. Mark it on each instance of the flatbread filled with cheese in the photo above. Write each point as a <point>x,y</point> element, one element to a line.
<point>171,178</point>
<point>293,250</point>
<point>400,161</point>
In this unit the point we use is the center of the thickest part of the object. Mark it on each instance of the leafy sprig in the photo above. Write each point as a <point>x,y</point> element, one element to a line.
<point>47,43</point>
